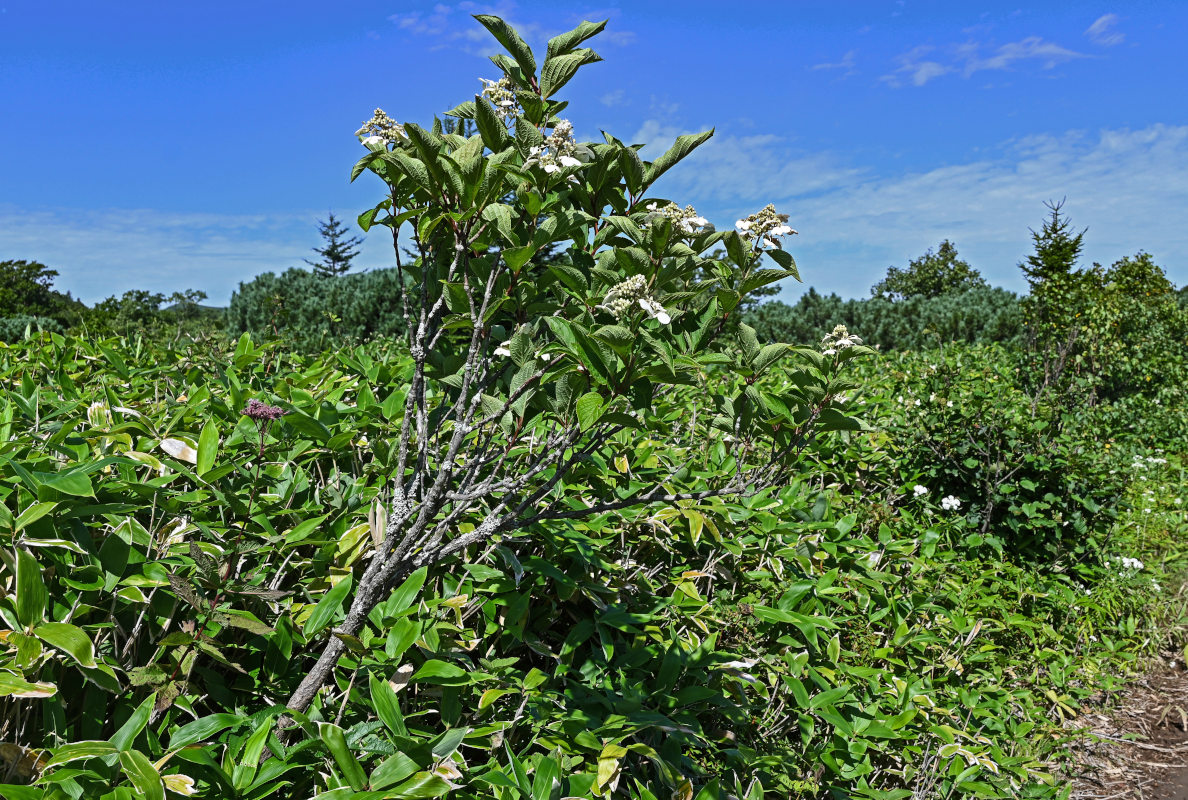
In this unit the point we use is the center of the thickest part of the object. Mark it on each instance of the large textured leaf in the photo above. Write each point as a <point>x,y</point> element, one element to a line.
<point>511,41</point>
<point>564,42</point>
<point>683,146</point>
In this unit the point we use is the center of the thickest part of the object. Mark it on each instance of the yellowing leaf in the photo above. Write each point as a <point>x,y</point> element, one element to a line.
<point>180,450</point>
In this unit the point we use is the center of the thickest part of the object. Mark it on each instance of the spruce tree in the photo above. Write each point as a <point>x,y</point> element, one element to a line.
<point>338,250</point>
<point>1056,248</point>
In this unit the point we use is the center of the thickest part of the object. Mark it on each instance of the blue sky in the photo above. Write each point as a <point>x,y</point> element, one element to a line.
<point>166,146</point>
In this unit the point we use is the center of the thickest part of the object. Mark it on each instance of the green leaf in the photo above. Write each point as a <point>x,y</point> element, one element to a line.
<point>511,41</point>
<point>490,126</point>
<point>32,514</point>
<point>208,447</point>
<point>74,482</point>
<point>517,257</point>
<point>31,594</point>
<point>436,671</point>
<point>202,729</point>
<point>422,785</point>
<point>328,606</point>
<point>307,426</point>
<point>335,741</point>
<point>76,751</point>
<point>143,774</point>
<point>128,732</point>
<point>589,409</point>
<point>406,594</point>
<point>559,70</point>
<point>15,686</point>
<point>786,261</point>
<point>387,706</point>
<point>683,146</point>
<point>768,355</point>
<point>564,42</point>
<point>69,639</point>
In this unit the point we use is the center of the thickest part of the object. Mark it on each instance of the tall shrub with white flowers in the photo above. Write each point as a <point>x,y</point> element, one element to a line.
<point>531,375</point>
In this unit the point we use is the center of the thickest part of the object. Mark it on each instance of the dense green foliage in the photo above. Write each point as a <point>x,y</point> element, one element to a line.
<point>976,316</point>
<point>15,327</point>
<point>930,275</point>
<point>27,295</point>
<point>579,532</point>
<point>311,311</point>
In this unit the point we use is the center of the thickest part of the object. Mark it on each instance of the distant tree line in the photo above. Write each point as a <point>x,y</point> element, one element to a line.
<point>937,298</point>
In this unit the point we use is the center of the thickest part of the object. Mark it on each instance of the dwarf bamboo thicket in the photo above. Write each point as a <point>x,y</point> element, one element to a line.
<point>529,375</point>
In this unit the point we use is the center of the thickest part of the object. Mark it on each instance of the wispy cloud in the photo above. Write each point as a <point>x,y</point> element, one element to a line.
<point>612,99</point>
<point>922,64</point>
<point>854,222</point>
<point>447,25</point>
<point>1103,32</point>
<point>846,64</point>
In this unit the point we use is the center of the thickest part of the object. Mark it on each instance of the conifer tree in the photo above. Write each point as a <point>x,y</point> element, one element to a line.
<point>1056,248</point>
<point>338,251</point>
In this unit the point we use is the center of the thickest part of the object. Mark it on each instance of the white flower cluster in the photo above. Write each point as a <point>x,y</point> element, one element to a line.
<point>685,220</point>
<point>502,95</point>
<point>950,503</point>
<point>764,227</point>
<point>1127,564</point>
<point>631,292</point>
<point>559,149</point>
<point>919,491</point>
<point>839,339</point>
<point>1141,463</point>
<point>380,129</point>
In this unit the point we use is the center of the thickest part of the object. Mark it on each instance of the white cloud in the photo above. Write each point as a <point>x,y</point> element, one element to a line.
<point>614,98</point>
<point>846,64</point>
<point>972,56</point>
<point>1129,187</point>
<point>450,25</point>
<point>1102,31</point>
<point>107,252</point>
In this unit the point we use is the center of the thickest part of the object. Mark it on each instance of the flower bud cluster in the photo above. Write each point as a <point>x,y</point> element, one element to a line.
<point>764,227</point>
<point>839,339</point>
<point>685,221</point>
<point>380,129</point>
<point>502,95</point>
<point>632,292</point>
<point>559,149</point>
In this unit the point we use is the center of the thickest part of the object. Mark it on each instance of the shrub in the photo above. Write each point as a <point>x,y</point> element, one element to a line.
<point>976,316</point>
<point>13,328</point>
<point>310,311</point>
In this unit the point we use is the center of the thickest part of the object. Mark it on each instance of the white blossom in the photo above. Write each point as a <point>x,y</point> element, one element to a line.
<point>502,95</point>
<point>919,491</point>
<point>765,227</point>
<point>380,129</point>
<point>950,503</point>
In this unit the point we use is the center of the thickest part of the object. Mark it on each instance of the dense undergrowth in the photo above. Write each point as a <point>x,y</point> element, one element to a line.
<point>580,533</point>
<point>852,634</point>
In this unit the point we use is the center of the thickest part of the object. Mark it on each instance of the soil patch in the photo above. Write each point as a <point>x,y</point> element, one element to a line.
<point>1139,749</point>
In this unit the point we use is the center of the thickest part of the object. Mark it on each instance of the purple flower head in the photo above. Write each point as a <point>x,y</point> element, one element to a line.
<point>262,412</point>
